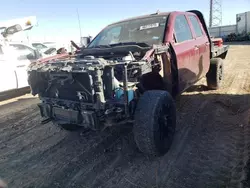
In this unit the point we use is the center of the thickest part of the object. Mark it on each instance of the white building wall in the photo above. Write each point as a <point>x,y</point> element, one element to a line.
<point>226,30</point>
<point>242,26</point>
<point>241,23</point>
<point>222,31</point>
<point>214,31</point>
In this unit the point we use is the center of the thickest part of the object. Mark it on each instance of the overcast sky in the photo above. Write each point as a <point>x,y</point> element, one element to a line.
<point>58,18</point>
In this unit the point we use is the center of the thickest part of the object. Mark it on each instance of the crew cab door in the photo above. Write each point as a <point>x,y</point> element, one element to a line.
<point>7,74</point>
<point>186,51</point>
<point>202,44</point>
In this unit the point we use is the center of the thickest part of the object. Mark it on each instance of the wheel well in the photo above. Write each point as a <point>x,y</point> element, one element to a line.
<point>154,80</point>
<point>151,81</point>
<point>175,73</point>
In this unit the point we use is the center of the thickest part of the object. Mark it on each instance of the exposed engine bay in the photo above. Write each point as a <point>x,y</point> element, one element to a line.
<point>92,91</point>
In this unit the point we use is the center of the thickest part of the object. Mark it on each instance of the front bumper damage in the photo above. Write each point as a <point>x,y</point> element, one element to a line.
<point>89,91</point>
<point>86,92</point>
<point>85,118</point>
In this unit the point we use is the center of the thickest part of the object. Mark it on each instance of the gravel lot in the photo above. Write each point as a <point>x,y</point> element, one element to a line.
<point>211,146</point>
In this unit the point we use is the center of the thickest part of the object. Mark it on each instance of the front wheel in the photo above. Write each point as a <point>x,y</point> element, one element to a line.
<point>155,122</point>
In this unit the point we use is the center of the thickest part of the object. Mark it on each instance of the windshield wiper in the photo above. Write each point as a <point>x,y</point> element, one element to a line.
<point>143,44</point>
<point>102,46</point>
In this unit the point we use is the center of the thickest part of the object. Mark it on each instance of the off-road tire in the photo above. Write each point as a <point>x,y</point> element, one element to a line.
<point>70,127</point>
<point>155,122</point>
<point>215,74</point>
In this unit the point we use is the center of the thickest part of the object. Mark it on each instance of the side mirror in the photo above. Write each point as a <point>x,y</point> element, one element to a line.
<point>61,51</point>
<point>13,29</point>
<point>85,41</point>
<point>30,56</point>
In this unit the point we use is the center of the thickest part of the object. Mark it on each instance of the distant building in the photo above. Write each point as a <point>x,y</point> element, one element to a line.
<point>242,26</point>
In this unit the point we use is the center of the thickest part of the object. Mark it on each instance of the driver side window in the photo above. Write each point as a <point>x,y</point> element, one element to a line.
<point>114,35</point>
<point>109,37</point>
<point>182,29</point>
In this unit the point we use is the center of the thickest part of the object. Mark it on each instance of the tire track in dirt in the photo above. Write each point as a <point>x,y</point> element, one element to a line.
<point>135,161</point>
<point>191,181</point>
<point>60,157</point>
<point>20,127</point>
<point>16,106</point>
<point>125,155</point>
<point>246,159</point>
<point>242,112</point>
<point>15,122</point>
<point>52,155</point>
<point>92,160</point>
<point>144,167</point>
<point>25,146</point>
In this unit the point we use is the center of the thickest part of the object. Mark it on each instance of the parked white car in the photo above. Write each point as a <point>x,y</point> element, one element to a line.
<point>16,57</point>
<point>14,61</point>
<point>27,49</point>
<point>51,44</point>
<point>39,46</point>
<point>13,69</point>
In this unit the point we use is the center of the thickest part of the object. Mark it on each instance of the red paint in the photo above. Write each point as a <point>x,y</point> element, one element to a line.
<point>193,56</point>
<point>217,42</point>
<point>55,57</point>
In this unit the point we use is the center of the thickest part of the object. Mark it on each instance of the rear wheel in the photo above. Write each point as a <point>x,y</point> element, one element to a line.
<point>215,74</point>
<point>155,122</point>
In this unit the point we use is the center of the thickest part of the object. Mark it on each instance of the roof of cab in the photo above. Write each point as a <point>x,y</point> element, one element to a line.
<point>143,16</point>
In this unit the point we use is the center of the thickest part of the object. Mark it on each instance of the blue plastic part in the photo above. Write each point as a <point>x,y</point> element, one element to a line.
<point>119,94</point>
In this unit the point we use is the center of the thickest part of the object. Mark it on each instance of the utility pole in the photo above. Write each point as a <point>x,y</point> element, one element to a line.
<point>211,13</point>
<point>215,17</point>
<point>80,30</point>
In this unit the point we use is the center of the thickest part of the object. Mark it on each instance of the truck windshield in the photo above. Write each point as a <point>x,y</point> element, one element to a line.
<point>148,30</point>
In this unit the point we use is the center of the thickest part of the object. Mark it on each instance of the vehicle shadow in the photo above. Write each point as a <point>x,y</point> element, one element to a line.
<point>14,102</point>
<point>197,88</point>
<point>208,127</point>
<point>14,93</point>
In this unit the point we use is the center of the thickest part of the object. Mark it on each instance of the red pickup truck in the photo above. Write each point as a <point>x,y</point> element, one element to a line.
<point>130,72</point>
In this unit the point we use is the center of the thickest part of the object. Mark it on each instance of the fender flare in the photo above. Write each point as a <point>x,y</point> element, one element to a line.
<point>174,71</point>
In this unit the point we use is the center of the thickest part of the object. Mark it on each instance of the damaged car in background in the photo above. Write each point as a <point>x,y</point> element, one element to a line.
<point>130,72</point>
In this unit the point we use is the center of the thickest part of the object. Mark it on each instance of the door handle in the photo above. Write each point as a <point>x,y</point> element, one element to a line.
<point>196,48</point>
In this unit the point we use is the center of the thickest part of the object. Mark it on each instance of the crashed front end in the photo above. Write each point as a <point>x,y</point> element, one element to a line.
<point>90,91</point>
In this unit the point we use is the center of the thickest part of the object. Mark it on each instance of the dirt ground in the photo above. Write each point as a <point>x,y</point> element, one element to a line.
<point>211,146</point>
